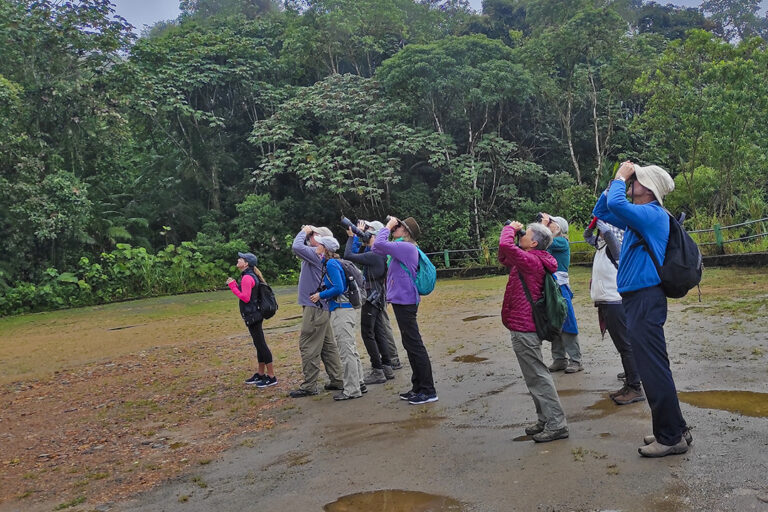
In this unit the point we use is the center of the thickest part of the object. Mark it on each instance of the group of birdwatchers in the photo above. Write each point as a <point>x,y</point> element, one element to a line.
<point>629,221</point>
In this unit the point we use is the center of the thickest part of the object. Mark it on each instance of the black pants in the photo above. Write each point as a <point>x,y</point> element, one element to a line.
<point>646,311</point>
<point>374,335</point>
<point>616,323</point>
<point>263,354</point>
<point>421,380</point>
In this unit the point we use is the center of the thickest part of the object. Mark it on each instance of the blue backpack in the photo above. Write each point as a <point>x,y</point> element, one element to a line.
<point>426,275</point>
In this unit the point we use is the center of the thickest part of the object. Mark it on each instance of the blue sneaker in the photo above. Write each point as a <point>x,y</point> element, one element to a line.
<point>421,398</point>
<point>407,395</point>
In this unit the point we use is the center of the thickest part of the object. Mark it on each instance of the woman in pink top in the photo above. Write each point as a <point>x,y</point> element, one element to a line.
<point>247,292</point>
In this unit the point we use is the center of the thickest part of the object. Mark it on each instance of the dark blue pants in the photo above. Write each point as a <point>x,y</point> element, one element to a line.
<point>421,380</point>
<point>616,323</point>
<point>646,312</point>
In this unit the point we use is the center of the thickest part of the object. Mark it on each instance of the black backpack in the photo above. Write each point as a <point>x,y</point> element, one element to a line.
<point>682,266</point>
<point>262,305</point>
<point>550,311</point>
<point>355,291</point>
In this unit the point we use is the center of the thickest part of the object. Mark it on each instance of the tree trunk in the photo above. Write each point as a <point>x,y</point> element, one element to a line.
<point>569,136</point>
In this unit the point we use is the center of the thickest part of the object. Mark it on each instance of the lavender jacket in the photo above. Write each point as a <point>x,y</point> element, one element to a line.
<point>311,271</point>
<point>400,287</point>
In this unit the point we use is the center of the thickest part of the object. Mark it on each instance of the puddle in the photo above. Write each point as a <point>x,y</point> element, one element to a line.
<point>291,318</point>
<point>523,438</point>
<point>124,327</point>
<point>605,435</point>
<point>469,359</point>
<point>359,432</point>
<point>747,403</point>
<point>477,317</point>
<point>394,501</point>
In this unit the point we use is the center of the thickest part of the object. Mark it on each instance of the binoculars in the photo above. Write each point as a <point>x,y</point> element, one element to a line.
<point>363,235</point>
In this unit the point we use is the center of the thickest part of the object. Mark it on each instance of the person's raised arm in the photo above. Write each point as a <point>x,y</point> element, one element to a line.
<point>304,251</point>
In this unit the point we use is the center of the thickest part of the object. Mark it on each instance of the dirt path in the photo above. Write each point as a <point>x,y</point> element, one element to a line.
<point>177,404</point>
<point>469,446</point>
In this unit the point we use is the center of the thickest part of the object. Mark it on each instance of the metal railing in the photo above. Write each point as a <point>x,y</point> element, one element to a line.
<point>487,256</point>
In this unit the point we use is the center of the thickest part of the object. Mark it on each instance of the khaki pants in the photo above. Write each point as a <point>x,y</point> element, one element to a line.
<point>343,321</point>
<point>316,344</point>
<point>527,347</point>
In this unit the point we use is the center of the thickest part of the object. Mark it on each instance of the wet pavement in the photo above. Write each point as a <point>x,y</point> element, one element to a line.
<point>468,452</point>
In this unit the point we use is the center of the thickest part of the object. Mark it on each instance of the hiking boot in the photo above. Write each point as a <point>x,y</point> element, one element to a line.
<point>255,379</point>
<point>407,395</point>
<point>421,398</point>
<point>629,396</point>
<point>300,393</point>
<point>534,429</point>
<point>375,377</point>
<point>546,436</point>
<point>343,396</point>
<point>333,387</point>
<point>656,449</point>
<point>573,367</point>
<point>686,435</point>
<point>267,382</point>
<point>621,376</point>
<point>396,364</point>
<point>363,387</point>
<point>388,373</point>
<point>558,365</point>
<point>618,392</point>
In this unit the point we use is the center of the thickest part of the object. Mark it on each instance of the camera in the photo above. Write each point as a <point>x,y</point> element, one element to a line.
<point>363,235</point>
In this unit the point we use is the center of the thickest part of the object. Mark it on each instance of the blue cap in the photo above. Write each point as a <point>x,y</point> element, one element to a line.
<point>249,258</point>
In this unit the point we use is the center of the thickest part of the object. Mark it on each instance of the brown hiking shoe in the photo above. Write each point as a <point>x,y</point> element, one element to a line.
<point>535,428</point>
<point>546,436</point>
<point>558,365</point>
<point>629,396</point>
<point>573,367</point>
<point>618,392</point>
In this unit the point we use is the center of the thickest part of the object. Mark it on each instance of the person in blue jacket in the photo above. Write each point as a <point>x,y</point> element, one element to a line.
<point>644,301</point>
<point>343,317</point>
<point>568,341</point>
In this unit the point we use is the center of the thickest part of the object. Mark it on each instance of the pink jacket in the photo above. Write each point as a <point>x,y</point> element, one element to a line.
<point>516,313</point>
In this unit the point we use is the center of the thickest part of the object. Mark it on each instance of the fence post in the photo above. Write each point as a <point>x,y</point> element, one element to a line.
<point>718,238</point>
<point>447,259</point>
<point>487,256</point>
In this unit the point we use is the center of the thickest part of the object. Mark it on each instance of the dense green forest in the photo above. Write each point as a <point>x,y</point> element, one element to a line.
<point>135,166</point>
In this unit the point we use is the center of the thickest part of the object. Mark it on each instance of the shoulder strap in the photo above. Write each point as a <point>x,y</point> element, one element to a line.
<point>644,243</point>
<point>525,287</point>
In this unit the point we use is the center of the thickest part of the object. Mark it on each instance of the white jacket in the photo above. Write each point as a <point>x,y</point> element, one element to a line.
<point>603,287</point>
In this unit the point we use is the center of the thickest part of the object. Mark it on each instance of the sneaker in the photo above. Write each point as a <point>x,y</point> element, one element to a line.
<point>656,449</point>
<point>686,435</point>
<point>558,365</point>
<point>343,396</point>
<point>300,393</point>
<point>255,379</point>
<point>388,373</point>
<point>333,387</point>
<point>376,376</point>
<point>396,364</point>
<point>363,387</point>
<point>407,395</point>
<point>534,429</point>
<point>267,382</point>
<point>621,376</point>
<point>573,367</point>
<point>630,396</point>
<point>421,398</point>
<point>546,436</point>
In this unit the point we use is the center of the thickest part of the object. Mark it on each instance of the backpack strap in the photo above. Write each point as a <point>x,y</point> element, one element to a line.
<point>525,288</point>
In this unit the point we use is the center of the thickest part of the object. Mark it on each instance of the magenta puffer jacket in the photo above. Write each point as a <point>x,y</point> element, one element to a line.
<point>516,313</point>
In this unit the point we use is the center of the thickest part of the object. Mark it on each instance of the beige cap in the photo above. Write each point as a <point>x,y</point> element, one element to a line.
<point>322,231</point>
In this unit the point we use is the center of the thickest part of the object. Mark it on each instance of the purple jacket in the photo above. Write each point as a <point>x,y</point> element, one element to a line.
<point>400,287</point>
<point>311,271</point>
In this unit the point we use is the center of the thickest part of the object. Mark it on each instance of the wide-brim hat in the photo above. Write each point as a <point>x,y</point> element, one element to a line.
<point>249,258</point>
<point>412,227</point>
<point>321,231</point>
<point>374,226</point>
<point>655,179</point>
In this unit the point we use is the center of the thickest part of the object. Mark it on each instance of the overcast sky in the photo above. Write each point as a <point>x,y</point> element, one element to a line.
<point>147,12</point>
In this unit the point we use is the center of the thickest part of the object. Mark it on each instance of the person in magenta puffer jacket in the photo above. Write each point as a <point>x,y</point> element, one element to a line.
<point>530,261</point>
